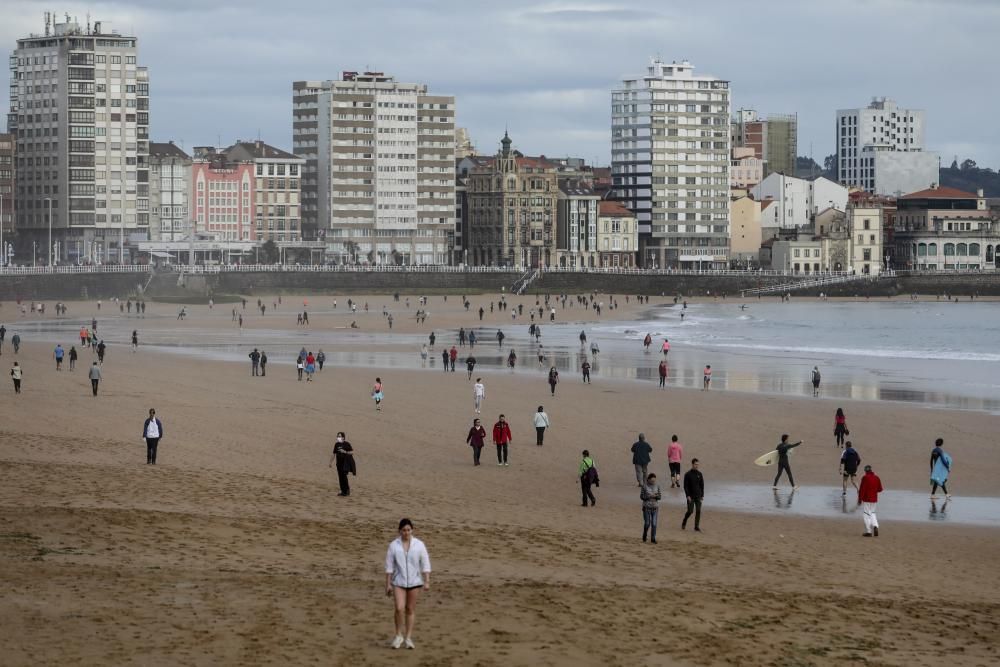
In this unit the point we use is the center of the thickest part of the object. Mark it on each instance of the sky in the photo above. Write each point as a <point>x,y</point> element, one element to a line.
<point>222,71</point>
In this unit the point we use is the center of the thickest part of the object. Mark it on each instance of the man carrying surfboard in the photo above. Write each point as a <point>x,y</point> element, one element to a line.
<point>940,469</point>
<point>782,450</point>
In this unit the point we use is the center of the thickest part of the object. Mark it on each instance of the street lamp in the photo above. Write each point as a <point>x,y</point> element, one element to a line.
<point>48,200</point>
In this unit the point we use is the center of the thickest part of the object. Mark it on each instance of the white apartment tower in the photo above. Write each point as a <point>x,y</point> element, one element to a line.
<point>169,188</point>
<point>79,105</point>
<point>670,144</point>
<point>881,149</point>
<point>379,180</point>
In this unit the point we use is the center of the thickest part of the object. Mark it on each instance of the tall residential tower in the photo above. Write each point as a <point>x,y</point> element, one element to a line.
<point>79,105</point>
<point>379,178</point>
<point>670,146</point>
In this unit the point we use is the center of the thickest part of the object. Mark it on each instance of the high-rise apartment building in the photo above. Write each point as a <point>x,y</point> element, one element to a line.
<point>670,163</point>
<point>881,149</point>
<point>169,189</point>
<point>774,139</point>
<point>79,105</point>
<point>8,154</point>
<point>379,179</point>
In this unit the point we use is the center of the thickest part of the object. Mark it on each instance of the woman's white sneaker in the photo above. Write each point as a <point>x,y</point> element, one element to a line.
<point>397,641</point>
<point>409,643</point>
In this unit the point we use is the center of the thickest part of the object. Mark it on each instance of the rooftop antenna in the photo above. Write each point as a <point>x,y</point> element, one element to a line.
<point>88,23</point>
<point>46,24</point>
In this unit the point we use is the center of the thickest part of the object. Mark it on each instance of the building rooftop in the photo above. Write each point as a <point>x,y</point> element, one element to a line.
<point>613,208</point>
<point>940,193</point>
<point>244,151</point>
<point>168,149</point>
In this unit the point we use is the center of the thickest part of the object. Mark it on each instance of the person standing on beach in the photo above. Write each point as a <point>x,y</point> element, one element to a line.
<point>588,478</point>
<point>500,338</point>
<point>452,357</point>
<point>470,365</point>
<point>871,486</point>
<point>665,347</point>
<point>650,495</point>
<point>300,365</point>
<point>407,570</point>
<point>254,362</point>
<point>646,342</point>
<point>675,452</point>
<point>444,360</point>
<point>478,393</point>
<point>16,373</point>
<point>310,366</point>
<point>511,360</point>
<point>263,363</point>
<point>101,349</point>
<point>641,452</point>
<point>840,427</point>
<point>940,469</point>
<point>343,456</point>
<point>783,466</point>
<point>541,421</point>
<point>849,462</point>
<point>553,379</point>
<point>502,440</point>
<point>694,491</point>
<point>476,439</point>
<point>135,340</point>
<point>377,394</point>
<point>663,373</point>
<point>432,338</point>
<point>815,380</point>
<point>73,356</point>
<point>152,431</point>
<point>706,379</point>
<point>585,368</point>
<point>321,359</point>
<point>95,377</point>
<point>15,340</point>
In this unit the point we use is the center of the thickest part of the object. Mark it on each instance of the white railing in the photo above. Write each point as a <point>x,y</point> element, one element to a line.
<point>335,268</point>
<point>73,269</point>
<point>816,281</point>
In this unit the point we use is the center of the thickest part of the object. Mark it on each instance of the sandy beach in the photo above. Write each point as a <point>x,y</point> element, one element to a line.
<point>235,549</point>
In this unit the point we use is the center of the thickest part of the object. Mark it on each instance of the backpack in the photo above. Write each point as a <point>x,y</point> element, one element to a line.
<point>590,476</point>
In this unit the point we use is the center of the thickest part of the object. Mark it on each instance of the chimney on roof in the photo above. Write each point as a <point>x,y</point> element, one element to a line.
<point>979,193</point>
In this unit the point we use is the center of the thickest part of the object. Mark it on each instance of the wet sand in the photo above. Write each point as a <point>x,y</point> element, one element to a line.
<point>235,549</point>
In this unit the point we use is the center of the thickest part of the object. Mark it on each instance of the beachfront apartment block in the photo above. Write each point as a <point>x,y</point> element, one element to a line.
<point>945,229</point>
<point>277,190</point>
<point>577,231</point>
<point>169,189</point>
<point>8,183</point>
<point>379,175</point>
<point>880,149</point>
<point>617,236</point>
<point>79,106</point>
<point>799,199</point>
<point>670,163</point>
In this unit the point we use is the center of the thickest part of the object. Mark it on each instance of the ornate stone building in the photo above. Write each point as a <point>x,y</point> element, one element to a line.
<point>512,207</point>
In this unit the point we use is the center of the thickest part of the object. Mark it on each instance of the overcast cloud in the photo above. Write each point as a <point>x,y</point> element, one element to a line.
<point>223,70</point>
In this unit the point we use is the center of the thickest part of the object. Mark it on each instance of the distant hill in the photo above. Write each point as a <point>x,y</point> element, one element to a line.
<point>970,178</point>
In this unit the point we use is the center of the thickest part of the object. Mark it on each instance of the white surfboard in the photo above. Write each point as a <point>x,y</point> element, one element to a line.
<point>770,458</point>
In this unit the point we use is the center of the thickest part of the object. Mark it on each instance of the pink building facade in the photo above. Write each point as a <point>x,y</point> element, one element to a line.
<point>223,199</point>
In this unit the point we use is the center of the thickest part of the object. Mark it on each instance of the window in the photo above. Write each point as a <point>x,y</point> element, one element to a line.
<point>949,249</point>
<point>868,224</point>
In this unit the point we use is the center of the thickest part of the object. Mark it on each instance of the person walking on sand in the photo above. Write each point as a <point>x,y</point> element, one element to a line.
<point>650,495</point>
<point>310,366</point>
<point>706,378</point>
<point>500,338</point>
<point>263,363</point>
<point>15,340</point>
<point>95,377</point>
<point>101,349</point>
<point>868,492</point>
<point>588,478</point>
<point>666,347</point>
<point>783,447</point>
<point>476,439</point>
<point>300,366</point>
<point>541,421</point>
<point>585,368</point>
<point>254,362</point>
<point>940,469</point>
<point>343,456</point>
<point>58,354</point>
<point>444,360</point>
<point>135,340</point>
<point>320,359</point>
<point>452,357</point>
<point>73,356</point>
<point>646,342</point>
<point>815,380</point>
<point>470,365</point>
<point>675,452</point>
<point>849,462</point>
<point>662,370</point>
<point>511,361</point>
<point>407,570</point>
<point>641,452</point>
<point>16,373</point>
<point>502,440</point>
<point>694,491</point>
<point>553,379</point>
<point>478,393</point>
<point>840,427</point>
<point>152,432</point>
<point>377,394</point>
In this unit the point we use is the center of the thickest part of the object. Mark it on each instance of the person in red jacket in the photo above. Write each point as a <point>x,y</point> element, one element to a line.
<point>868,492</point>
<point>501,438</point>
<point>452,356</point>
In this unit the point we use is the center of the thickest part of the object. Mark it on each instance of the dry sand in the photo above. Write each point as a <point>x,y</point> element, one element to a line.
<point>234,549</point>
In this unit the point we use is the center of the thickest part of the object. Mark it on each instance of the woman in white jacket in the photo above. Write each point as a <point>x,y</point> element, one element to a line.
<point>407,570</point>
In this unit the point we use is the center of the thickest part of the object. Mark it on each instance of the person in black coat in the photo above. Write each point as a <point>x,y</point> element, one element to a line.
<point>152,431</point>
<point>343,455</point>
<point>694,489</point>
